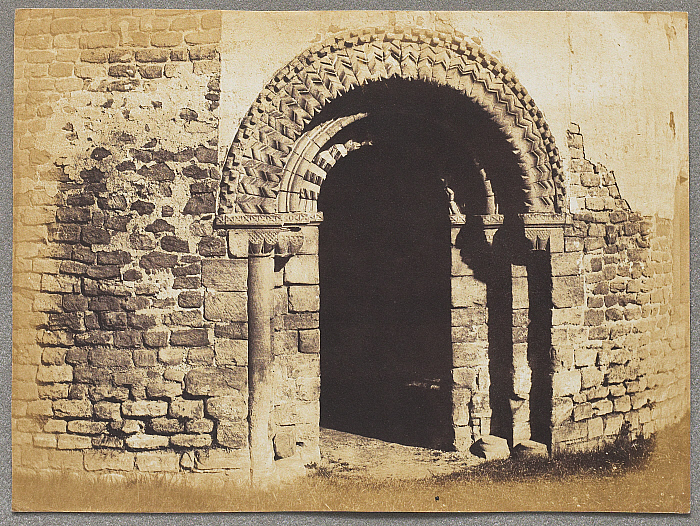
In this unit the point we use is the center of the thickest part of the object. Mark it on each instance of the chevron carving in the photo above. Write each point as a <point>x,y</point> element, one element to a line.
<point>257,175</point>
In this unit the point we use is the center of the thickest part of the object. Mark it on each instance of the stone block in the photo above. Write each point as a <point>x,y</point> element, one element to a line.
<point>225,275</point>
<point>567,291</point>
<point>591,376</point>
<point>622,404</point>
<point>582,411</point>
<point>213,381</point>
<point>566,382</point>
<point>201,426</point>
<point>74,442</point>
<point>595,428</point>
<point>158,461</point>
<point>226,306</point>
<point>220,459</point>
<point>111,460</point>
<point>303,320</point>
<point>310,341</point>
<point>160,389</point>
<point>305,298</point>
<point>190,338</point>
<point>167,426</point>
<point>491,447</point>
<point>190,409</point>
<point>284,442</point>
<point>602,407</point>
<point>301,270</point>
<point>468,291</point>
<point>184,440</point>
<point>520,298</point>
<point>465,377</point>
<point>566,264</point>
<point>144,408</point>
<point>54,373</point>
<point>72,408</point>
<point>233,435</point>
<point>144,441</point>
<point>562,408</point>
<point>86,427</point>
<point>231,352</point>
<point>469,354</point>
<point>227,408</point>
<point>171,356</point>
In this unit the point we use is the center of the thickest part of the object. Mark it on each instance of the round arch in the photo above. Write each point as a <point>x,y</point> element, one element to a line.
<point>277,165</point>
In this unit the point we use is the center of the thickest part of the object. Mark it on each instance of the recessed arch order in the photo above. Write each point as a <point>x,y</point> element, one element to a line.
<point>276,165</point>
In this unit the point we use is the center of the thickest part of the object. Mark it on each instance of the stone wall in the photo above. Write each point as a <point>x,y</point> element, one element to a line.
<point>621,354</point>
<point>130,336</point>
<point>115,169</point>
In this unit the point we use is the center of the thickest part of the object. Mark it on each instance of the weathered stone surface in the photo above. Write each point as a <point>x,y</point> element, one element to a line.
<point>491,447</point>
<point>158,461</point>
<point>72,408</point>
<point>220,459</point>
<point>190,299</point>
<point>302,270</point>
<point>305,298</point>
<point>468,291</point>
<point>86,427</point>
<point>232,435</point>
<point>167,426</point>
<point>143,441</point>
<point>74,442</point>
<point>226,306</point>
<point>226,275</point>
<point>227,408</point>
<point>190,338</point>
<point>530,448</point>
<point>144,408</point>
<point>55,373</point>
<point>191,440</point>
<point>310,341</point>
<point>566,382</point>
<point>567,291</point>
<point>211,381</point>
<point>160,389</point>
<point>231,352</point>
<point>191,409</point>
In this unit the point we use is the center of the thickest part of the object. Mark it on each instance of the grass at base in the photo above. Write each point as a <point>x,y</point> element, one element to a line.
<point>646,476</point>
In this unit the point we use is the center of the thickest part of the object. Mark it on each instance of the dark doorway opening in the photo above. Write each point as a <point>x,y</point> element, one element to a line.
<point>386,352</point>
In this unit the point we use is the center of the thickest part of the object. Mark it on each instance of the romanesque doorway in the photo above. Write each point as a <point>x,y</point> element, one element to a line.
<point>384,266</point>
<point>385,262</point>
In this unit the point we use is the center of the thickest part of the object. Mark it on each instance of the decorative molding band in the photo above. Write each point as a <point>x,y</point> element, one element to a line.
<point>257,173</point>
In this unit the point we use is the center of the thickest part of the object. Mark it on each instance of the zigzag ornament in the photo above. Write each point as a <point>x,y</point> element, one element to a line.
<point>299,90</point>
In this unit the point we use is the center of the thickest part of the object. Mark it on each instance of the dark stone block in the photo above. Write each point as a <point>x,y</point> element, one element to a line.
<point>92,175</point>
<point>206,155</point>
<point>212,246</point>
<point>188,270</point>
<point>100,153</point>
<point>104,272</point>
<point>142,207</point>
<point>76,355</point>
<point>95,236</point>
<point>117,223</point>
<point>157,172</point>
<point>64,233</point>
<point>200,204</point>
<point>190,299</point>
<point>174,244</point>
<point>190,338</point>
<point>188,115</point>
<point>126,166</point>
<point>158,260</point>
<point>93,337</point>
<point>104,303</point>
<point>113,320</point>
<point>141,321</point>
<point>69,320</point>
<point>109,357</point>
<point>75,303</point>
<point>83,255</point>
<point>160,225</point>
<point>187,282</point>
<point>73,215</point>
<point>128,339</point>
<point>194,171</point>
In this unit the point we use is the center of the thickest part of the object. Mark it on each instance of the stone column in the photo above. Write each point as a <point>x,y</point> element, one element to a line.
<point>261,248</point>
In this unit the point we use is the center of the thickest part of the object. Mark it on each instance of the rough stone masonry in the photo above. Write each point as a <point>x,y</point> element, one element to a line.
<point>131,306</point>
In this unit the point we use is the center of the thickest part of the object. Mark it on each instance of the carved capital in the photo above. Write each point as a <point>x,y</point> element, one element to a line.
<point>289,242</point>
<point>269,241</point>
<point>262,242</point>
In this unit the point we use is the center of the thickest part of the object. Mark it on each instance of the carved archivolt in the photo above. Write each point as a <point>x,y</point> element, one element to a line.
<point>276,165</point>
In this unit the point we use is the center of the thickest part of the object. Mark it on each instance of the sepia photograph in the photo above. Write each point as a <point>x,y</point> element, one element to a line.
<point>350,261</point>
